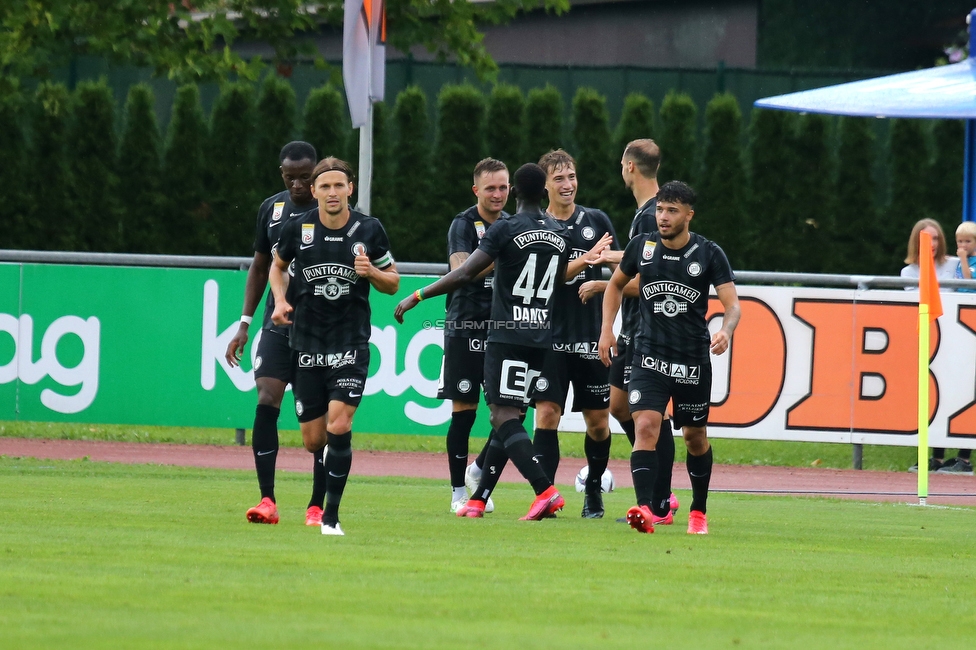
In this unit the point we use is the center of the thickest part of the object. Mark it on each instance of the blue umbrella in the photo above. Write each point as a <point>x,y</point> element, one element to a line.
<point>945,92</point>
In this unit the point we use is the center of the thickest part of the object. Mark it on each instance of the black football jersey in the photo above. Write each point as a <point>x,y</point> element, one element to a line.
<point>275,211</point>
<point>530,252</point>
<point>674,294</point>
<point>574,322</point>
<point>471,304</point>
<point>331,300</point>
<point>645,221</point>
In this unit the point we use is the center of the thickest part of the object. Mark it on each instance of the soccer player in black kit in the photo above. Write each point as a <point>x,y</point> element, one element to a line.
<point>338,254</point>
<point>638,169</point>
<point>465,330</point>
<point>531,255</point>
<point>576,330</point>
<point>274,363</point>
<point>671,349</point>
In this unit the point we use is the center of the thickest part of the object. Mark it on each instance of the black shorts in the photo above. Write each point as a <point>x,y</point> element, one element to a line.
<point>511,372</point>
<point>274,358</point>
<point>579,365</point>
<point>322,378</point>
<point>654,382</point>
<point>463,369</point>
<point>621,365</point>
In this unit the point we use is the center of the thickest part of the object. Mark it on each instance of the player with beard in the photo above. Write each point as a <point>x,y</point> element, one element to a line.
<point>573,358</point>
<point>638,168</point>
<point>465,330</point>
<point>274,363</point>
<point>531,255</point>
<point>338,255</point>
<point>676,267</point>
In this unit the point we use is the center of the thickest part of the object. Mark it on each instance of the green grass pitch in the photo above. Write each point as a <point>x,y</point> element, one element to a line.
<point>116,556</point>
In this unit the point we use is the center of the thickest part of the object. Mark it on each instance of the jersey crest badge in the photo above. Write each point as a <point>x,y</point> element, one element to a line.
<point>588,233</point>
<point>649,247</point>
<point>694,269</point>
<point>359,248</point>
<point>279,208</point>
<point>308,233</point>
<point>479,226</point>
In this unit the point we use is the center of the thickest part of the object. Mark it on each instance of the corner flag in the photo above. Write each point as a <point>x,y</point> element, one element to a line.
<point>363,56</point>
<point>929,308</point>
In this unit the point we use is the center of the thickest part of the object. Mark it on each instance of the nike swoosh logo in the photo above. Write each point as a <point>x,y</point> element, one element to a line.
<point>646,263</point>
<point>698,418</point>
<point>355,394</point>
<point>456,456</point>
<point>265,453</point>
<point>303,246</point>
<point>273,224</point>
<point>606,399</point>
<point>336,475</point>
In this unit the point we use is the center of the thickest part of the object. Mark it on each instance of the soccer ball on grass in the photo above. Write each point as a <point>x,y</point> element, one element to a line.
<point>606,482</point>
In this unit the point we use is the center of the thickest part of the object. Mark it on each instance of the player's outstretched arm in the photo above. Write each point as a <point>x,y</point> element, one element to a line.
<point>573,267</point>
<point>385,280</point>
<point>607,346</point>
<point>278,277</point>
<point>477,262</point>
<point>257,280</point>
<point>730,301</point>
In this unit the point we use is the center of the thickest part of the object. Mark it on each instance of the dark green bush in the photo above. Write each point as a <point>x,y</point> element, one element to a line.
<point>188,197</point>
<point>677,138</point>
<point>276,115</point>
<point>720,214</point>
<point>92,144</point>
<point>413,236</point>
<point>907,147</point>
<point>944,174</point>
<point>772,228</point>
<point>15,195</point>
<point>543,122</point>
<point>459,145</point>
<point>52,205</point>
<point>636,122</point>
<point>857,233</point>
<point>142,215</point>
<point>231,171</point>
<point>813,166</point>
<point>594,163</point>
<point>326,123</point>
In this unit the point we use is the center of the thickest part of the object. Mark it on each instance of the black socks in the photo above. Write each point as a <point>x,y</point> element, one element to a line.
<point>457,444</point>
<point>700,473</point>
<point>597,457</point>
<point>546,444</point>
<point>337,464</point>
<point>661,501</point>
<point>264,445</point>
<point>643,469</point>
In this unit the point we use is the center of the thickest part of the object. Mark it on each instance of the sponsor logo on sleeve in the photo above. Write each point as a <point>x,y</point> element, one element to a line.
<point>276,212</point>
<point>479,227</point>
<point>648,251</point>
<point>308,233</point>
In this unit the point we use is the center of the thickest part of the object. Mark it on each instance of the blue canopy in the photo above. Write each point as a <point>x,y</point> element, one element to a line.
<point>944,92</point>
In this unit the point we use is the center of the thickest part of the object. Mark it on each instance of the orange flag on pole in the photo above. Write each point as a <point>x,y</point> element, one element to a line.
<point>928,283</point>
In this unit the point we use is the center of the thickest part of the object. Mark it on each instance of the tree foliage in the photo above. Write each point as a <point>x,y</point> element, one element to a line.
<point>459,145</point>
<point>857,232</point>
<point>411,228</point>
<point>194,41</point>
<point>677,138</point>
<point>49,161</point>
<point>543,122</point>
<point>591,133</point>
<point>506,125</point>
<point>184,175</point>
<point>907,147</point>
<point>326,123</point>
<point>231,170</point>
<point>944,173</point>
<point>14,193</point>
<point>720,214</point>
<point>636,122</point>
<point>276,116</point>
<point>92,144</point>
<point>141,205</point>
<point>813,169</point>
<point>773,228</point>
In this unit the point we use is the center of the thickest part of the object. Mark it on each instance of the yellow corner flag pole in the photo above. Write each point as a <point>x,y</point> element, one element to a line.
<point>923,403</point>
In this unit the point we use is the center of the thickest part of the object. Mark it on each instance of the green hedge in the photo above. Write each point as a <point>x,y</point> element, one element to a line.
<point>785,192</point>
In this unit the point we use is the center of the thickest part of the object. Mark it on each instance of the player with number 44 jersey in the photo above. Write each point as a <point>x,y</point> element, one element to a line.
<point>531,255</point>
